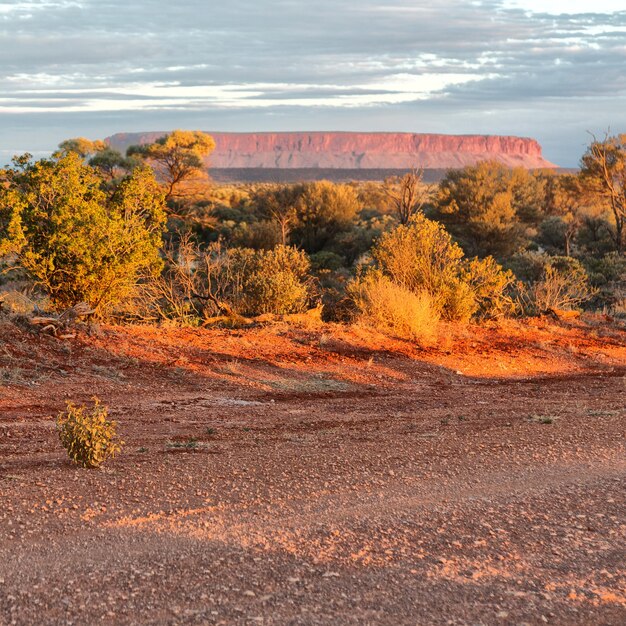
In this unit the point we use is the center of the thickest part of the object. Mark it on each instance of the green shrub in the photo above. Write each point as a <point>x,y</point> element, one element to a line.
<point>326,260</point>
<point>550,282</point>
<point>87,435</point>
<point>391,308</point>
<point>78,243</point>
<point>277,282</point>
<point>608,275</point>
<point>610,268</point>
<point>200,284</point>
<point>492,287</point>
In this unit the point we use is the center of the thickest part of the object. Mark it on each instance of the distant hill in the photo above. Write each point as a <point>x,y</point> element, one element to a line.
<point>278,156</point>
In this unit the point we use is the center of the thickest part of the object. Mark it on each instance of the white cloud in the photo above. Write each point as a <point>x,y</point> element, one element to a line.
<point>32,6</point>
<point>392,89</point>
<point>560,7</point>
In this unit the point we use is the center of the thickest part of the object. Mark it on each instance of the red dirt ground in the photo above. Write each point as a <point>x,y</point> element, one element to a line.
<point>325,475</point>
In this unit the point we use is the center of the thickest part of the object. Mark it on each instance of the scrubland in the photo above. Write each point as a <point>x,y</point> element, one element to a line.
<point>381,403</point>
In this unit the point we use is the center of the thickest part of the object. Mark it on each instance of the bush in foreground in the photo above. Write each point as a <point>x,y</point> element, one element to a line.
<point>87,435</point>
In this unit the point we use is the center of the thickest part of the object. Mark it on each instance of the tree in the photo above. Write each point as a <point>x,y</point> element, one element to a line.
<point>112,164</point>
<point>278,203</point>
<point>407,194</point>
<point>323,210</point>
<point>176,158</point>
<point>109,162</point>
<point>485,207</point>
<point>566,212</point>
<point>528,190</point>
<point>79,145</point>
<point>76,242</point>
<point>603,174</point>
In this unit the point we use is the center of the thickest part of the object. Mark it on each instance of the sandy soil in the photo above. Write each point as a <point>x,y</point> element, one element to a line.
<point>318,476</point>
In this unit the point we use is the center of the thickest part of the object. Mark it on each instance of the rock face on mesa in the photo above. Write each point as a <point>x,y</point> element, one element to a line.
<point>347,150</point>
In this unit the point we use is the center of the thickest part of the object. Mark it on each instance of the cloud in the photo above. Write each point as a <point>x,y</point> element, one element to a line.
<point>110,65</point>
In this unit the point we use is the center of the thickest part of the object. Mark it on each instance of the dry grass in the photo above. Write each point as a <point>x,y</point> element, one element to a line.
<point>619,309</point>
<point>15,302</point>
<point>395,310</point>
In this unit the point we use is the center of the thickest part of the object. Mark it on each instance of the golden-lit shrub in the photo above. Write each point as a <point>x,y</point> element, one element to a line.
<point>391,308</point>
<point>87,434</point>
<point>421,257</point>
<point>457,301</point>
<point>418,256</point>
<point>492,287</point>
<point>74,240</point>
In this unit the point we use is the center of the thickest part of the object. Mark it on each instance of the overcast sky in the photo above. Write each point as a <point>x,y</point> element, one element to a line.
<point>549,70</point>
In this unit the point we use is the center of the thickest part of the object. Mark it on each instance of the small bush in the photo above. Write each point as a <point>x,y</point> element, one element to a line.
<point>87,435</point>
<point>550,282</point>
<point>392,308</point>
<point>278,282</point>
<point>492,287</point>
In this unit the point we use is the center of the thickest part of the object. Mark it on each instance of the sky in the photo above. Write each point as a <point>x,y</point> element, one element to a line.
<point>555,71</point>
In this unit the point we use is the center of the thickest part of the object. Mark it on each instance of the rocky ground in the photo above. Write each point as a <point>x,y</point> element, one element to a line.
<point>318,476</point>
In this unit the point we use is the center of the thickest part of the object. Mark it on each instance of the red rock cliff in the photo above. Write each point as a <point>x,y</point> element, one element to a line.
<point>344,150</point>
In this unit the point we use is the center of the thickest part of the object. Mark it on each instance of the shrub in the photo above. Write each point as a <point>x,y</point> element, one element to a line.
<point>277,282</point>
<point>492,287</point>
<point>550,282</point>
<point>78,243</point>
<point>458,301</point>
<point>608,276</point>
<point>487,207</point>
<point>87,435</point>
<point>421,256</point>
<point>392,308</point>
<point>323,210</point>
<point>199,284</point>
<point>326,260</point>
<point>560,288</point>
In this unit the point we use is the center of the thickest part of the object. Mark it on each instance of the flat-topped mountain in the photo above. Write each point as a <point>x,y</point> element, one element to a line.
<point>352,150</point>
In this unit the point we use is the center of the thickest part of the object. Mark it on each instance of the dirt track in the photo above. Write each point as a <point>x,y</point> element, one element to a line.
<point>316,478</point>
